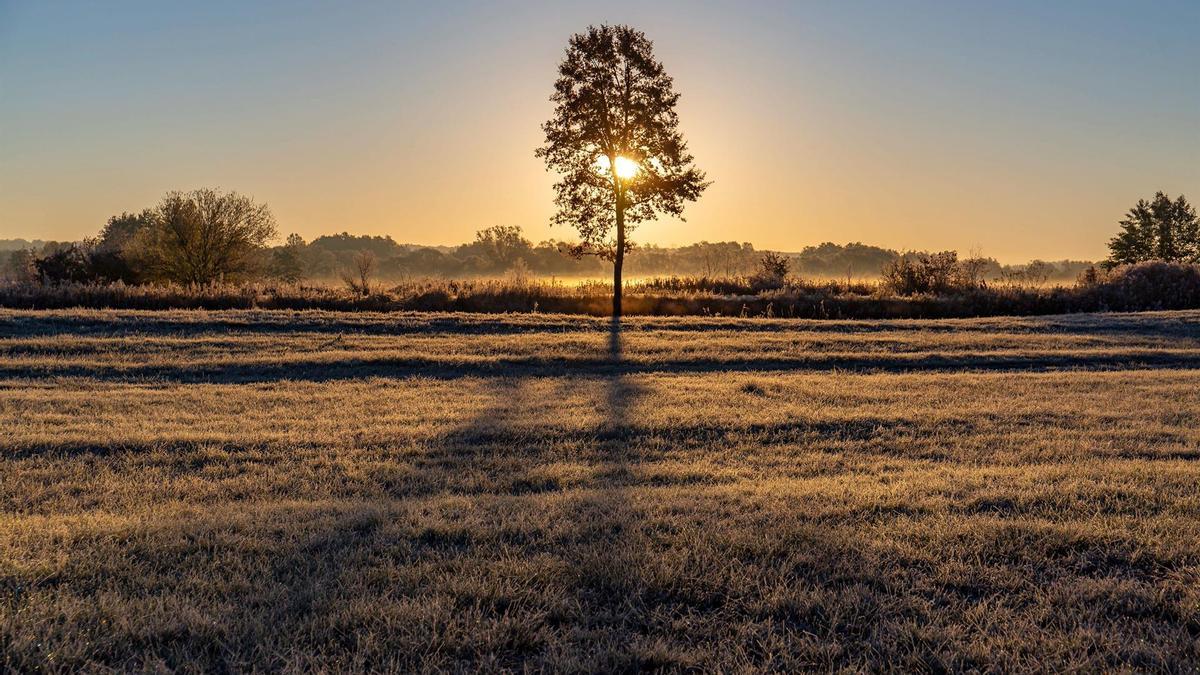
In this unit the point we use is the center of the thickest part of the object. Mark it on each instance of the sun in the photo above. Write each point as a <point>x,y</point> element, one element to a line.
<point>626,168</point>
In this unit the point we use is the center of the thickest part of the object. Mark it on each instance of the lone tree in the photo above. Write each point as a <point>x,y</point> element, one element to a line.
<point>1160,229</point>
<point>615,141</point>
<point>204,236</point>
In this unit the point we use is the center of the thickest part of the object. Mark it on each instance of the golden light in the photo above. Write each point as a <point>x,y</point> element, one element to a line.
<point>626,168</point>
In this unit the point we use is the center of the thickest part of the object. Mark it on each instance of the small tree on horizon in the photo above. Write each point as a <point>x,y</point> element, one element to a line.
<point>501,246</point>
<point>287,261</point>
<point>772,271</point>
<point>358,278</point>
<point>614,140</point>
<point>1160,229</point>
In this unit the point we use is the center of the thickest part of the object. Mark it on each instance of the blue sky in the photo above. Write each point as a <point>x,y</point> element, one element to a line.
<point>1020,129</point>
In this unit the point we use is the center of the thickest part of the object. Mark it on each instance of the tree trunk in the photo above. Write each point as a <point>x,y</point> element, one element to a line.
<point>618,260</point>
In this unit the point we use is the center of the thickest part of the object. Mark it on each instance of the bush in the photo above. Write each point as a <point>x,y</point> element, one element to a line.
<point>772,272</point>
<point>358,278</point>
<point>69,265</point>
<point>935,273</point>
<point>922,273</point>
<point>1150,286</point>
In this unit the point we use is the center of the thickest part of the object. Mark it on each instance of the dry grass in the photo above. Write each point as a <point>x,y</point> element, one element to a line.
<point>1142,287</point>
<point>227,491</point>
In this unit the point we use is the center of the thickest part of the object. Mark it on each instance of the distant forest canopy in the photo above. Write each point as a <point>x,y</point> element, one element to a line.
<point>499,250</point>
<point>22,244</point>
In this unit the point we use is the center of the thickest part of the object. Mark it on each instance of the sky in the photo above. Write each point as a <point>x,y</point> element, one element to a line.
<point>1013,129</point>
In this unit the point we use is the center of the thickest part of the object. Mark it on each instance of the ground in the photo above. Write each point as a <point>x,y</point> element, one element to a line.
<point>227,491</point>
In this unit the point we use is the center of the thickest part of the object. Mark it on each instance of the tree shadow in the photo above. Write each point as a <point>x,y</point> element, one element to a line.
<point>598,534</point>
<point>609,365</point>
<point>470,577</point>
<point>608,546</point>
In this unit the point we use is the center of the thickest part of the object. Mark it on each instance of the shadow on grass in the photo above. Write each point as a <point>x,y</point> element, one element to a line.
<point>593,579</point>
<point>611,551</point>
<point>184,323</point>
<point>392,368</point>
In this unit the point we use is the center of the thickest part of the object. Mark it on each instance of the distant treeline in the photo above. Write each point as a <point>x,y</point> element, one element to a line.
<point>206,236</point>
<point>22,244</point>
<point>938,289</point>
<point>495,251</point>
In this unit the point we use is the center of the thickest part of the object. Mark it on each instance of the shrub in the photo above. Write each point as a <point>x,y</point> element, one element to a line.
<point>69,265</point>
<point>1150,286</point>
<point>969,273</point>
<point>922,273</point>
<point>772,272</point>
<point>1090,277</point>
<point>358,278</point>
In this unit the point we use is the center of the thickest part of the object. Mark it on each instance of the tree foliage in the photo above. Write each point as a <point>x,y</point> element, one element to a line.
<point>614,104</point>
<point>287,261</point>
<point>1160,229</point>
<point>345,243</point>
<point>497,248</point>
<point>68,264</point>
<point>110,256</point>
<point>772,271</point>
<point>836,260</point>
<point>204,236</point>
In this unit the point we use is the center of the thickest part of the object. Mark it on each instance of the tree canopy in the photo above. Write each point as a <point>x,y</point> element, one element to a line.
<point>1160,229</point>
<point>204,236</point>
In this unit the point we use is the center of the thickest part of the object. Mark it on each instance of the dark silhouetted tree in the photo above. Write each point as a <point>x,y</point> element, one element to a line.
<point>614,139</point>
<point>287,261</point>
<point>68,264</point>
<point>1160,229</point>
<point>500,246</point>
<point>111,258</point>
<point>204,236</point>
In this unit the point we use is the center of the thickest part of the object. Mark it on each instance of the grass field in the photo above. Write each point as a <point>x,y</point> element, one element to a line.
<point>227,491</point>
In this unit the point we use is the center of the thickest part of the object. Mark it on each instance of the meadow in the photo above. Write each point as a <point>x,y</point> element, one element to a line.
<point>920,291</point>
<point>217,491</point>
